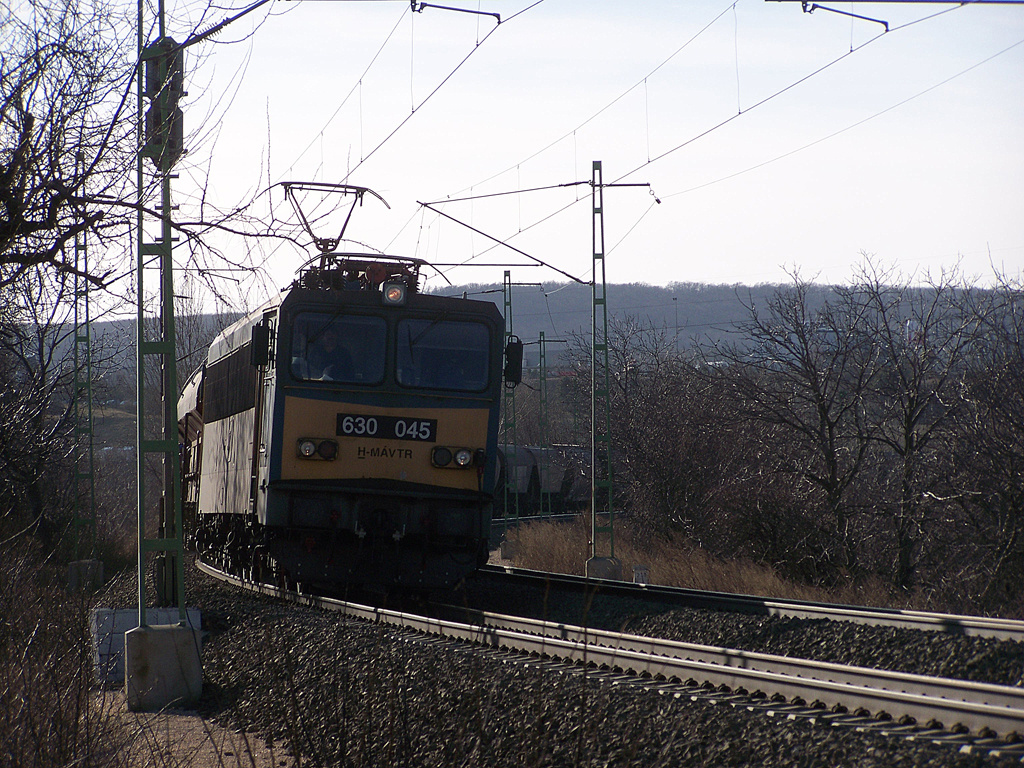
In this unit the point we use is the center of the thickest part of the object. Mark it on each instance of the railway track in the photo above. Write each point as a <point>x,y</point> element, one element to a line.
<point>972,715</point>
<point>973,626</point>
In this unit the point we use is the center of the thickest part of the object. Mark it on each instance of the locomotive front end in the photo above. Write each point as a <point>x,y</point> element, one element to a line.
<point>381,448</point>
<point>345,433</point>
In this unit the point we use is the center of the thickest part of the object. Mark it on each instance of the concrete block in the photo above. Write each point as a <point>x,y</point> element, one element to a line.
<point>604,568</point>
<point>85,575</point>
<point>162,667</point>
<point>109,627</point>
<point>508,550</point>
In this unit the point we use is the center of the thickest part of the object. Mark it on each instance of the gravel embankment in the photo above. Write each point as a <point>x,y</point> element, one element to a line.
<point>925,653</point>
<point>350,694</point>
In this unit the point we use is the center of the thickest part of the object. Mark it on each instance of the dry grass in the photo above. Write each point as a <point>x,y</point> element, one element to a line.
<point>50,716</point>
<point>53,714</point>
<point>564,548</point>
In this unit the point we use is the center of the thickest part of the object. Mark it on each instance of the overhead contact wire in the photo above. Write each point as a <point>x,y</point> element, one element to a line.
<point>888,109</point>
<point>357,86</point>
<point>442,83</point>
<point>761,103</point>
<point>789,87</point>
<point>699,136</point>
<point>614,101</point>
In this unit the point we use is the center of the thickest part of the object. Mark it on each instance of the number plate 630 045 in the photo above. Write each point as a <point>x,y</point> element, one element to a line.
<point>387,427</point>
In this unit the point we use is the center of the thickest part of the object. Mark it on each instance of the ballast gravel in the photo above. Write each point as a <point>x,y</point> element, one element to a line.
<point>981,659</point>
<point>334,692</point>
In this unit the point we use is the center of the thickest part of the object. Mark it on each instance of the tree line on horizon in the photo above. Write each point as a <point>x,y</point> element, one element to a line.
<point>873,431</point>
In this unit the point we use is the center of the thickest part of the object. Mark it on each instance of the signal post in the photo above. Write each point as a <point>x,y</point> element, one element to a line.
<point>162,661</point>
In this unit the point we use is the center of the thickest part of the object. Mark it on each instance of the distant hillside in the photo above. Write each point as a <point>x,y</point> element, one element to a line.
<point>702,313</point>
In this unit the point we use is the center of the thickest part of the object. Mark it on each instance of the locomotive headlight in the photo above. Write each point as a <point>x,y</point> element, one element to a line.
<point>454,458</point>
<point>314,448</point>
<point>328,449</point>
<point>394,294</point>
<point>440,456</point>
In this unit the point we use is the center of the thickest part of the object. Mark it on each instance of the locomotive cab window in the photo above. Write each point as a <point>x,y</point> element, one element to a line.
<point>443,354</point>
<point>350,349</point>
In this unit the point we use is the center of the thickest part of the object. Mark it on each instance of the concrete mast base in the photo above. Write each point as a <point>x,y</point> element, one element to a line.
<point>162,667</point>
<point>604,568</point>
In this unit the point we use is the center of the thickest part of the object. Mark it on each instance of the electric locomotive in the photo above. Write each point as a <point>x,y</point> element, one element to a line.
<point>346,431</point>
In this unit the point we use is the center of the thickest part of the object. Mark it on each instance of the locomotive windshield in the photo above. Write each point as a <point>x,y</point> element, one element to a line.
<point>443,354</point>
<point>345,348</point>
<point>353,349</point>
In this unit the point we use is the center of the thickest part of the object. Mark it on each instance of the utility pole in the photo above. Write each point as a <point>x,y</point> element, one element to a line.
<point>85,572</point>
<point>675,306</point>
<point>544,469</point>
<point>510,490</point>
<point>160,138</point>
<point>545,447</point>
<point>508,431</point>
<point>162,663</point>
<point>602,562</point>
<point>161,141</point>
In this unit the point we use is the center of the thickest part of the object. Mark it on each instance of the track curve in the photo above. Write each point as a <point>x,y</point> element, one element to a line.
<point>941,705</point>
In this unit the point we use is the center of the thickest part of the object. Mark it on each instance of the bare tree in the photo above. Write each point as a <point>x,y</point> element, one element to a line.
<point>68,152</point>
<point>921,336</point>
<point>687,462</point>
<point>806,371</point>
<point>669,462</point>
<point>65,147</point>
<point>35,404</point>
<point>988,455</point>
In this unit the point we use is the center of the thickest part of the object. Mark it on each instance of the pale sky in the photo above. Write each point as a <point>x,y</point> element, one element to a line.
<point>910,147</point>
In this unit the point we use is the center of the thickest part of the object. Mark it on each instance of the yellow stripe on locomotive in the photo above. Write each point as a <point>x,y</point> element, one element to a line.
<point>401,444</point>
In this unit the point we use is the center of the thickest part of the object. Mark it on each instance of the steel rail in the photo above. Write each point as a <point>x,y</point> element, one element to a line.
<point>1006,700</point>
<point>979,707</point>
<point>975,626</point>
